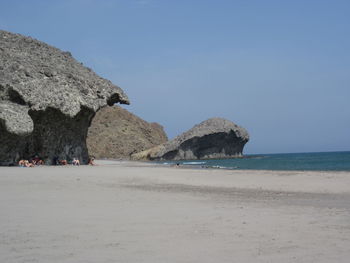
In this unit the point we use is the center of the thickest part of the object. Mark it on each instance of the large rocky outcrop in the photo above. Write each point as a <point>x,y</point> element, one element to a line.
<point>213,138</point>
<point>117,133</point>
<point>47,101</point>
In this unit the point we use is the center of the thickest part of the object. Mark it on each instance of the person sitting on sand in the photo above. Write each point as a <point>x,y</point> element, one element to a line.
<point>63,162</point>
<point>35,160</point>
<point>40,162</point>
<point>28,164</point>
<point>55,161</point>
<point>21,163</point>
<point>91,161</point>
<point>75,162</point>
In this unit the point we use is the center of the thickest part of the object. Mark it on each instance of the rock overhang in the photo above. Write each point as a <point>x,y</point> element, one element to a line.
<point>47,100</point>
<point>35,76</point>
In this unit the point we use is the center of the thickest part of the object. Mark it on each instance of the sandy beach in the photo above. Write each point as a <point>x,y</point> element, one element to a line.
<point>139,212</point>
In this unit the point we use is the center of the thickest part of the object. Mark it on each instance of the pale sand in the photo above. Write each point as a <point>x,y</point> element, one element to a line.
<point>135,212</point>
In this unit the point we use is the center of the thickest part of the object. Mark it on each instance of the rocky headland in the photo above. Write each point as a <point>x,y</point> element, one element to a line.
<point>116,133</point>
<point>47,101</point>
<point>213,138</point>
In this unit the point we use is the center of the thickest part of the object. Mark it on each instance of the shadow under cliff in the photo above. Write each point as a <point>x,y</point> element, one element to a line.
<point>55,135</point>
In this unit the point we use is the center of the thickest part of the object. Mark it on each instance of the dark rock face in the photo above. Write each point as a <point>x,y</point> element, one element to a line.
<point>117,133</point>
<point>47,101</point>
<point>213,138</point>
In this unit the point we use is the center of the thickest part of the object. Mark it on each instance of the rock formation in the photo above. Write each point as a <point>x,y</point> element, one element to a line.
<point>117,133</point>
<point>47,101</point>
<point>213,138</point>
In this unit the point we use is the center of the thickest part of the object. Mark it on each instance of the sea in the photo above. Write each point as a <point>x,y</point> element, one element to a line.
<point>320,161</point>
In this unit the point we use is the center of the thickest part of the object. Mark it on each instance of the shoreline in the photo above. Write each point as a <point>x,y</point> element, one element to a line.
<point>198,167</point>
<point>202,163</point>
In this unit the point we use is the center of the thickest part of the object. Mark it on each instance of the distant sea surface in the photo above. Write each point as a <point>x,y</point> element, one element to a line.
<point>323,161</point>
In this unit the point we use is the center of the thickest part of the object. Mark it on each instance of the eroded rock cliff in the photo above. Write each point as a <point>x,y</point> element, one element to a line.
<point>47,101</point>
<point>117,133</point>
<point>213,138</point>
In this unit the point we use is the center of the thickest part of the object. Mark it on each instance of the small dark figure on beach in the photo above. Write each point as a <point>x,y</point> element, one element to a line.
<point>55,161</point>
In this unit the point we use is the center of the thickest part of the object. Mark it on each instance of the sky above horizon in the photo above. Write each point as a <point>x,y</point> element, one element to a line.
<point>280,69</point>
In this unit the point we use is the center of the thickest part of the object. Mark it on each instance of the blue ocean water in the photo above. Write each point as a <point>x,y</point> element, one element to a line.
<point>322,161</point>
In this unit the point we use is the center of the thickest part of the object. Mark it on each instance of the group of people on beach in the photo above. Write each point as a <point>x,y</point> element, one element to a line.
<point>56,161</point>
<point>31,163</point>
<point>75,161</point>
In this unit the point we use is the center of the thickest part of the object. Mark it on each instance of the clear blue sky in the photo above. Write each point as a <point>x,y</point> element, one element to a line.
<point>281,69</point>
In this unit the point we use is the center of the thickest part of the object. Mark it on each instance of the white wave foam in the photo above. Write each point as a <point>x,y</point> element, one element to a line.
<point>224,167</point>
<point>194,163</point>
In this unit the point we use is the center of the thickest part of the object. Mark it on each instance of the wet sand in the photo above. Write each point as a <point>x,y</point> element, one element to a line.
<point>137,212</point>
